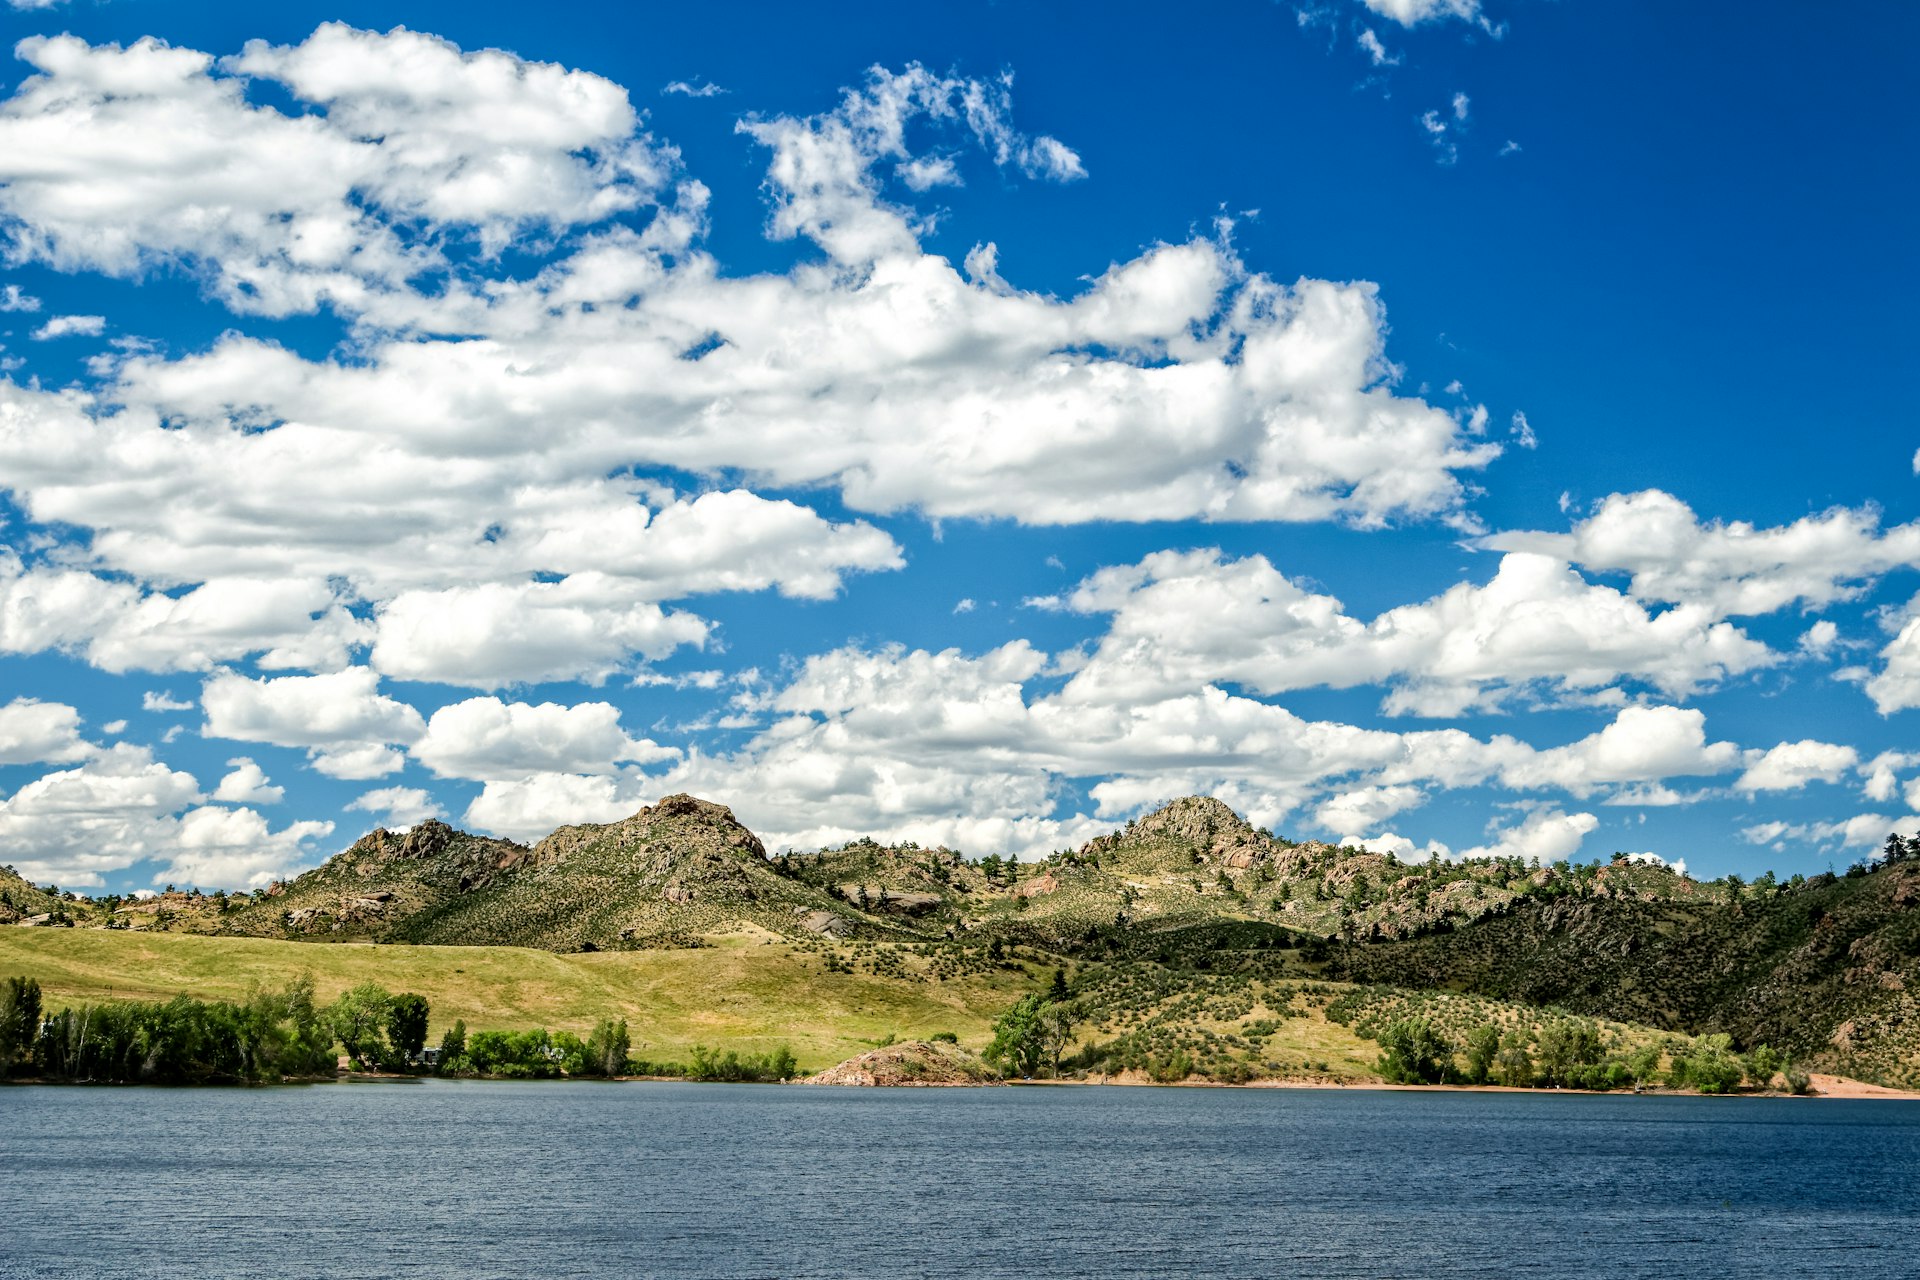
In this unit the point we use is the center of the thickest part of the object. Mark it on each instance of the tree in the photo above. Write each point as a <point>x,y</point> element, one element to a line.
<point>310,1047</point>
<point>1483,1048</point>
<point>1762,1065</point>
<point>357,1018</point>
<point>1709,1065</point>
<point>1566,1047</point>
<point>19,1019</point>
<point>607,1048</point>
<point>1412,1052</point>
<point>407,1025</point>
<point>1056,1029</point>
<point>1058,992</point>
<point>453,1044</point>
<point>1516,1062</point>
<point>1019,1038</point>
<point>1644,1063</point>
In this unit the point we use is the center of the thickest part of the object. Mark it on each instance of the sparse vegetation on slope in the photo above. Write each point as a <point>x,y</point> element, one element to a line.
<point>1826,970</point>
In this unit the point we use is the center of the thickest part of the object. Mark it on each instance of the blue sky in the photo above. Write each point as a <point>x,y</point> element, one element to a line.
<point>1457,426</point>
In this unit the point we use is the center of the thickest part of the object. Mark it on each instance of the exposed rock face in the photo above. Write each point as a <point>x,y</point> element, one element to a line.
<point>474,860</point>
<point>915,1064</point>
<point>1034,888</point>
<point>698,826</point>
<point>1200,825</point>
<point>885,901</point>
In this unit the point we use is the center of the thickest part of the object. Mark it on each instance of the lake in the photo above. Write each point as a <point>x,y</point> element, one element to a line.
<point>568,1179</point>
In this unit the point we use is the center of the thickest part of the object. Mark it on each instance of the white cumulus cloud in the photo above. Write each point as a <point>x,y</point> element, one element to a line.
<point>247,784</point>
<point>70,327</point>
<point>486,739</point>
<point>1179,619</point>
<point>402,806</point>
<point>1547,834</point>
<point>1730,567</point>
<point>347,725</point>
<point>34,732</point>
<point>1792,765</point>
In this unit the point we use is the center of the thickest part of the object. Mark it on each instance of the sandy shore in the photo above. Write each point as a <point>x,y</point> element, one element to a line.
<point>1842,1087</point>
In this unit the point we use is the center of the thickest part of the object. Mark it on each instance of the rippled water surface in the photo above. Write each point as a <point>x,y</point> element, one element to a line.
<point>541,1180</point>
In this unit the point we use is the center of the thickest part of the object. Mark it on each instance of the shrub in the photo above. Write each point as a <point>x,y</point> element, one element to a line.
<point>731,1067</point>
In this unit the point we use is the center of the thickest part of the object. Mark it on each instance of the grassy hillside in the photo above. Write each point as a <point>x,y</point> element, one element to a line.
<point>1250,1011</point>
<point>745,990</point>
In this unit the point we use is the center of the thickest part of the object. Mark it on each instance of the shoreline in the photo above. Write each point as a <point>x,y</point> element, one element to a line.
<point>1824,1087</point>
<point>1827,1087</point>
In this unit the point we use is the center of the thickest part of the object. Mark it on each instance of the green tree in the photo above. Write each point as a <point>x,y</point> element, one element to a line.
<point>1516,1061</point>
<point>19,1019</point>
<point>1412,1052</point>
<point>453,1045</point>
<point>1058,992</point>
<point>310,1034</point>
<point>1057,1019</point>
<point>1709,1065</point>
<point>1483,1048</point>
<point>1643,1064</point>
<point>1762,1065</point>
<point>1019,1039</point>
<point>607,1048</point>
<point>407,1025</point>
<point>357,1018</point>
<point>1566,1048</point>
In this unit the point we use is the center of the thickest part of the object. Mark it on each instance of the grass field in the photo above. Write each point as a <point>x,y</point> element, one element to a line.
<point>746,991</point>
<point>752,991</point>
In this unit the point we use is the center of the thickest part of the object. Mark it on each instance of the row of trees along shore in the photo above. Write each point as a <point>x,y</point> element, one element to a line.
<point>274,1036</point>
<point>1570,1053</point>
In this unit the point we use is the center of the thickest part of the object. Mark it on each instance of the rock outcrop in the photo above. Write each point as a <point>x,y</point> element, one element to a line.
<point>914,1064</point>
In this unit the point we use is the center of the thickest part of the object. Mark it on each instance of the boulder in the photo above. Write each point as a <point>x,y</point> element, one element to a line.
<point>1034,888</point>
<point>825,922</point>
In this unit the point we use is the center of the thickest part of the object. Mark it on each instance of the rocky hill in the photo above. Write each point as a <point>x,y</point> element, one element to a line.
<point>22,902</point>
<point>383,885</point>
<point>666,875</point>
<point>1190,876</point>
